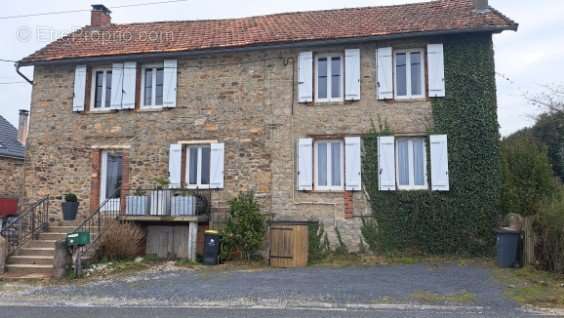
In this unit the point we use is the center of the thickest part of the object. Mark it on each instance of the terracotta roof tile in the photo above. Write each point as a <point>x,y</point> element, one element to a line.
<point>182,36</point>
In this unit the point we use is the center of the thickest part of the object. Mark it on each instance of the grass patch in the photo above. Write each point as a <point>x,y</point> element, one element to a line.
<point>348,260</point>
<point>186,263</point>
<point>462,298</point>
<point>532,287</point>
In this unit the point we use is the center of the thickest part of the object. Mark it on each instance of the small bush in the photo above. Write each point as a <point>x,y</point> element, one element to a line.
<point>341,248</point>
<point>71,197</point>
<point>527,175</point>
<point>245,227</point>
<point>318,248</point>
<point>121,241</point>
<point>369,231</point>
<point>550,233</point>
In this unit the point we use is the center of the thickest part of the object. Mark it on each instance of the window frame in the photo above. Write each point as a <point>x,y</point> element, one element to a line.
<point>105,70</point>
<point>408,74</point>
<point>154,67</point>
<point>199,183</point>
<point>412,186</point>
<point>329,98</point>
<point>329,187</point>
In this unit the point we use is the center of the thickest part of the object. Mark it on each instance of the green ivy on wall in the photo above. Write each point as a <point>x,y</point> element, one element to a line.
<point>460,221</point>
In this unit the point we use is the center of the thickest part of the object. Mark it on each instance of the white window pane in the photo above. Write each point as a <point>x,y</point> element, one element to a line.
<point>322,164</point>
<point>159,87</point>
<point>148,100</point>
<point>336,77</point>
<point>205,173</point>
<point>416,85</point>
<point>418,162</point>
<point>108,88</point>
<point>322,78</point>
<point>99,89</point>
<point>403,162</point>
<point>193,166</point>
<point>401,74</point>
<point>336,164</point>
<point>113,176</point>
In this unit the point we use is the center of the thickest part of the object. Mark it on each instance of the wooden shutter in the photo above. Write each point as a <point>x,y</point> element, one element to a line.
<point>79,88</point>
<point>170,82</point>
<point>385,80</point>
<point>217,165</point>
<point>117,85</point>
<point>305,77</point>
<point>305,164</point>
<point>129,84</point>
<point>435,60</point>
<point>353,179</point>
<point>386,163</point>
<point>439,163</point>
<point>352,74</point>
<point>174,165</point>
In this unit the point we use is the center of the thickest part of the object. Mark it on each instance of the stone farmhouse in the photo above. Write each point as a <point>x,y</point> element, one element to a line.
<point>276,104</point>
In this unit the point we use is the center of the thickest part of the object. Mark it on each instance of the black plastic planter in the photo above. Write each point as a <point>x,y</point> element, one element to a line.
<point>70,209</point>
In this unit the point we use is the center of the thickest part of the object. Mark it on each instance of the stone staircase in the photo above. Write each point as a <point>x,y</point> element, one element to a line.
<point>35,258</point>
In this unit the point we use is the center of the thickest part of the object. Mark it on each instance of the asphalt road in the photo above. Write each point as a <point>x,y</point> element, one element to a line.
<point>378,291</point>
<point>66,312</point>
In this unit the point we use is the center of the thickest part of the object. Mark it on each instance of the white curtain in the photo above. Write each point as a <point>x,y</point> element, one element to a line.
<point>403,161</point>
<point>322,164</point>
<point>336,164</point>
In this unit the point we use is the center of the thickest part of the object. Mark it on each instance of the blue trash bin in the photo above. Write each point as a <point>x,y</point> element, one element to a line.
<point>508,246</point>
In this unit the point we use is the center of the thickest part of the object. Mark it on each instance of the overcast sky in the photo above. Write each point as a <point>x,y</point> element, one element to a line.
<point>528,59</point>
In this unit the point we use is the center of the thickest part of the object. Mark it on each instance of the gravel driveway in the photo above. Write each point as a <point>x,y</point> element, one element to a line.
<point>355,288</point>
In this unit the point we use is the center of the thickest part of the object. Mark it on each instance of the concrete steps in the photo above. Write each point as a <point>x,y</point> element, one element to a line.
<point>26,269</point>
<point>39,251</point>
<point>31,259</point>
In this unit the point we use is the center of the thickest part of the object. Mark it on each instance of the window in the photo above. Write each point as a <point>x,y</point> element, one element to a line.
<point>329,165</point>
<point>152,85</point>
<point>102,88</point>
<point>111,178</point>
<point>409,74</point>
<point>329,83</point>
<point>411,163</point>
<point>198,169</point>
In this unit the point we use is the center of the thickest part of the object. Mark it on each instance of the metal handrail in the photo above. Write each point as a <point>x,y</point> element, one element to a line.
<point>27,225</point>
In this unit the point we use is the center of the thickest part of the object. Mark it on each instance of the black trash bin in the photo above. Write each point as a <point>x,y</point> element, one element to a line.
<point>508,245</point>
<point>212,247</point>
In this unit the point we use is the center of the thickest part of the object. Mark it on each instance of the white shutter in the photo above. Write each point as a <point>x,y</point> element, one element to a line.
<point>129,84</point>
<point>174,165</point>
<point>170,82</point>
<point>435,60</point>
<point>385,82</point>
<point>117,85</point>
<point>353,179</point>
<point>305,77</point>
<point>439,163</point>
<point>79,88</point>
<point>386,163</point>
<point>352,74</point>
<point>305,164</point>
<point>217,165</point>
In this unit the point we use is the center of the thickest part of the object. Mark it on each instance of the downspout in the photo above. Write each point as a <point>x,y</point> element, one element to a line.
<point>17,66</point>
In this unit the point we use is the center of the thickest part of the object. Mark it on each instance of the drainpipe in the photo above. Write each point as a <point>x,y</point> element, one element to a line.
<point>17,66</point>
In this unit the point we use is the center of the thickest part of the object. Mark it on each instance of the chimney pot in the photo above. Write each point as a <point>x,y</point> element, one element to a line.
<point>481,5</point>
<point>100,16</point>
<point>23,126</point>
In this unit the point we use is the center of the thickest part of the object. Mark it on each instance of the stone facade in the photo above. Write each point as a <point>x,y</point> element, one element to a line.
<point>12,171</point>
<point>247,100</point>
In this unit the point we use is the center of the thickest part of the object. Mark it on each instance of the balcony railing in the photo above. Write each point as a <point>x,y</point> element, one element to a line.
<point>167,202</point>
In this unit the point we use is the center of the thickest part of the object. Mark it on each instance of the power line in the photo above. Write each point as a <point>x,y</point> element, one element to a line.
<point>86,10</point>
<point>12,83</point>
<point>7,61</point>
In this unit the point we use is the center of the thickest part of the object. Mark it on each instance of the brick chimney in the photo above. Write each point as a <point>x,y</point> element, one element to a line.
<point>481,5</point>
<point>100,16</point>
<point>23,126</point>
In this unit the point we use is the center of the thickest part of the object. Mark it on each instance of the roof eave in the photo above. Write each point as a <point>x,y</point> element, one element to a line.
<point>264,46</point>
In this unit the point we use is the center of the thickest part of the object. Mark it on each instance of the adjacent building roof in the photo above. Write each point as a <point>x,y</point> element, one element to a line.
<point>436,17</point>
<point>9,144</point>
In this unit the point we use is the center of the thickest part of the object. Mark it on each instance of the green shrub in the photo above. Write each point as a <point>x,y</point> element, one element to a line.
<point>318,248</point>
<point>341,248</point>
<point>71,197</point>
<point>549,228</point>
<point>369,231</point>
<point>245,227</point>
<point>527,175</point>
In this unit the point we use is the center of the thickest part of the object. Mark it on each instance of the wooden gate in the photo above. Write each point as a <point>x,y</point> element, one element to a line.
<point>288,244</point>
